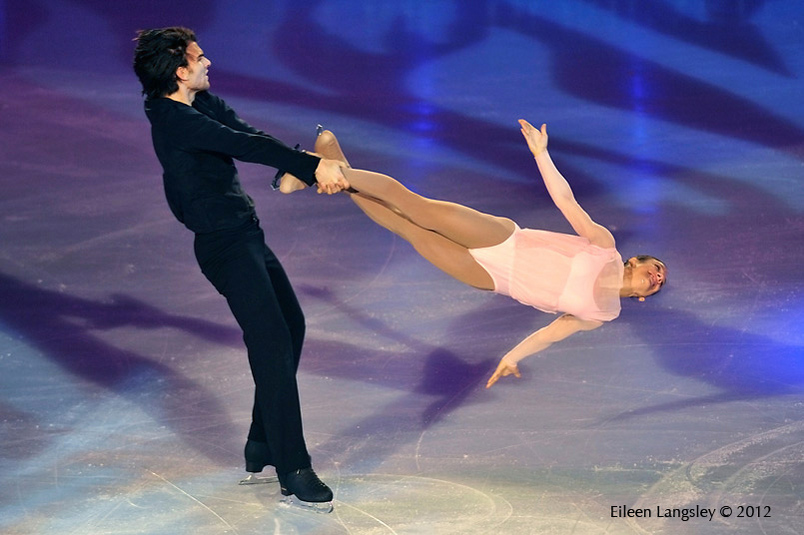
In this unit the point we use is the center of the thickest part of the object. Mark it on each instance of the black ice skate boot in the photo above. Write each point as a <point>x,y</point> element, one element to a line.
<point>258,456</point>
<point>304,489</point>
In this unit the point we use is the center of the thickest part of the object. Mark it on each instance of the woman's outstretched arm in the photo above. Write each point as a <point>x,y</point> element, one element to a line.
<point>560,191</point>
<point>559,329</point>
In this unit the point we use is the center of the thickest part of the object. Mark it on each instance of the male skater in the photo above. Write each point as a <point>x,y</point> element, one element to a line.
<point>196,136</point>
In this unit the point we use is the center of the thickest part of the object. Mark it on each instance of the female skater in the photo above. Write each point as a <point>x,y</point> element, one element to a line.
<point>582,276</point>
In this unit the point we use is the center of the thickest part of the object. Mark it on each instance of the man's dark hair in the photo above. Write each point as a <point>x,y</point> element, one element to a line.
<point>158,54</point>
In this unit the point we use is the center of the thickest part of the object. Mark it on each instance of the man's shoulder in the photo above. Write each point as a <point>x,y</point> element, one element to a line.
<point>210,100</point>
<point>158,109</point>
<point>165,109</point>
<point>171,118</point>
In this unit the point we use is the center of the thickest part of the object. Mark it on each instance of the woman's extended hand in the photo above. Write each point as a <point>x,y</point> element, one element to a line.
<point>503,369</point>
<point>537,139</point>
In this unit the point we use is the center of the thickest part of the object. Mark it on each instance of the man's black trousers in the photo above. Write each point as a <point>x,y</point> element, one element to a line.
<point>248,274</point>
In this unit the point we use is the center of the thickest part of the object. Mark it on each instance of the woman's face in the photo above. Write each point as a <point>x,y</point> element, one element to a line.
<point>647,277</point>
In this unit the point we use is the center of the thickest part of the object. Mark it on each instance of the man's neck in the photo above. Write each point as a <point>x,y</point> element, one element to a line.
<point>183,95</point>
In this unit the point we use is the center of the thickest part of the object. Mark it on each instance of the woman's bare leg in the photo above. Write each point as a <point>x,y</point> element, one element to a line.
<point>458,223</point>
<point>443,253</point>
<point>446,255</point>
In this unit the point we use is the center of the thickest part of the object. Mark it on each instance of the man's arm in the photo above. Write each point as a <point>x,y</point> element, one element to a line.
<point>558,330</point>
<point>216,107</point>
<point>195,131</point>
<point>326,173</point>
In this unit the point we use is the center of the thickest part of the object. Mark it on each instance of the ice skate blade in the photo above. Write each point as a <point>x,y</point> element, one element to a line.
<point>314,507</point>
<point>254,479</point>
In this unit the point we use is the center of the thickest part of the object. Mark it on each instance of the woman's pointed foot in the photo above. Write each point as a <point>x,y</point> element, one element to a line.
<point>326,144</point>
<point>289,183</point>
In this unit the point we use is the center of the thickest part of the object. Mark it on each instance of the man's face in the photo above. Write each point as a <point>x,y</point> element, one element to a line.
<point>195,75</point>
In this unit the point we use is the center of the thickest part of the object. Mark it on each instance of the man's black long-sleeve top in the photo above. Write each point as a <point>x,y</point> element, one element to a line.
<point>196,146</point>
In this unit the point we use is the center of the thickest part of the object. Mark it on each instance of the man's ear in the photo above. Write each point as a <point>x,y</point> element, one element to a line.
<point>181,74</point>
